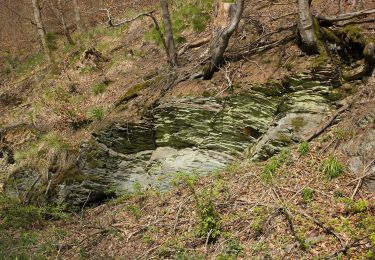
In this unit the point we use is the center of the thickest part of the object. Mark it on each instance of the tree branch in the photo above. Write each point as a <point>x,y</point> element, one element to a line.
<point>348,16</point>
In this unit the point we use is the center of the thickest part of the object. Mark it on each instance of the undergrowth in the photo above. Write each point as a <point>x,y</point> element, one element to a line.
<point>186,15</point>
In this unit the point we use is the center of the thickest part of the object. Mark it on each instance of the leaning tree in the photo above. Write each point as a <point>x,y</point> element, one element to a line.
<point>228,16</point>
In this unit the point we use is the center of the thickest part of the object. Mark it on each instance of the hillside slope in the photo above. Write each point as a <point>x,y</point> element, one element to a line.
<point>101,157</point>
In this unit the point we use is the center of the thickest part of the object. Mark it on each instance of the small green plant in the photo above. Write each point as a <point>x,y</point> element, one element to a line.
<point>188,179</point>
<point>274,165</point>
<point>307,195</point>
<point>97,113</point>
<point>260,218</point>
<point>332,168</point>
<point>135,211</point>
<point>99,88</point>
<point>16,215</point>
<point>304,148</point>
<point>355,207</point>
<point>209,225</point>
<point>232,250</point>
<point>344,134</point>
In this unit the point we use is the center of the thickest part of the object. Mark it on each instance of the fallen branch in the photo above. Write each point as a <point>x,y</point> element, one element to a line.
<point>26,198</point>
<point>257,50</point>
<point>348,16</point>
<point>193,45</point>
<point>111,23</point>
<point>360,179</point>
<point>326,229</point>
<point>346,248</point>
<point>330,121</point>
<point>143,229</point>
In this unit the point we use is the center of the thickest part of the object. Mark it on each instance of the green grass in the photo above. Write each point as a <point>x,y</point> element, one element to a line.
<point>307,195</point>
<point>304,148</point>
<point>97,113</point>
<point>332,168</point>
<point>29,64</point>
<point>15,215</point>
<point>187,14</point>
<point>273,165</point>
<point>99,88</point>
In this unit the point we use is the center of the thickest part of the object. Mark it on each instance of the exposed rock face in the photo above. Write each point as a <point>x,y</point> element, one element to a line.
<point>360,149</point>
<point>196,135</point>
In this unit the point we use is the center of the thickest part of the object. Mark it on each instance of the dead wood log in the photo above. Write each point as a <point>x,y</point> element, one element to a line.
<point>194,44</point>
<point>344,17</point>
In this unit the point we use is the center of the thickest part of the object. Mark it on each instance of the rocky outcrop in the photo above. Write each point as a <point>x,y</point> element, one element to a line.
<point>196,135</point>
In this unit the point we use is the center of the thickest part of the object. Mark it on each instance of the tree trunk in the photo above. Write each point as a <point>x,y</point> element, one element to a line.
<point>172,54</point>
<point>41,31</point>
<point>226,21</point>
<point>77,15</point>
<point>309,41</point>
<point>59,13</point>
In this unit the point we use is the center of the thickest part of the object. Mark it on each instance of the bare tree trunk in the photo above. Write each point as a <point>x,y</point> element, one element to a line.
<point>306,27</point>
<point>172,54</point>
<point>77,15</point>
<point>59,13</point>
<point>41,31</point>
<point>226,21</point>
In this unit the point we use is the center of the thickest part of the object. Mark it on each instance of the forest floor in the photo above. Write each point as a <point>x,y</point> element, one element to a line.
<point>301,204</point>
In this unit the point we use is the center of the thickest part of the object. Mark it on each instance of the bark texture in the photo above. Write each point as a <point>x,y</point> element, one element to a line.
<point>41,30</point>
<point>77,15</point>
<point>309,40</point>
<point>169,40</point>
<point>226,22</point>
<point>60,13</point>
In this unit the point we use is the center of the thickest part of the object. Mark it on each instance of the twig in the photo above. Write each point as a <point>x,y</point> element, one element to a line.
<point>84,205</point>
<point>321,225</point>
<point>143,229</point>
<point>178,214</point>
<point>360,181</point>
<point>195,44</point>
<point>345,249</point>
<point>207,239</point>
<point>347,16</point>
<point>26,198</point>
<point>330,121</point>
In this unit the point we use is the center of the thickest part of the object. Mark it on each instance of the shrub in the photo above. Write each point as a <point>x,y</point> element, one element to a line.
<point>232,250</point>
<point>208,218</point>
<point>332,168</point>
<point>15,215</point>
<point>188,179</point>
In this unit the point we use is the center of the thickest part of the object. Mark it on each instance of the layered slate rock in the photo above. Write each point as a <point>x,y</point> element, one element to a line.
<point>306,104</point>
<point>195,134</point>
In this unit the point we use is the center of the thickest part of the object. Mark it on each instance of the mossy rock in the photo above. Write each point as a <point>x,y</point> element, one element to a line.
<point>135,91</point>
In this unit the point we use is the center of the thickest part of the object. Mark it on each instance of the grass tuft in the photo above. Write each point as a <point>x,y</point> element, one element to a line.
<point>332,168</point>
